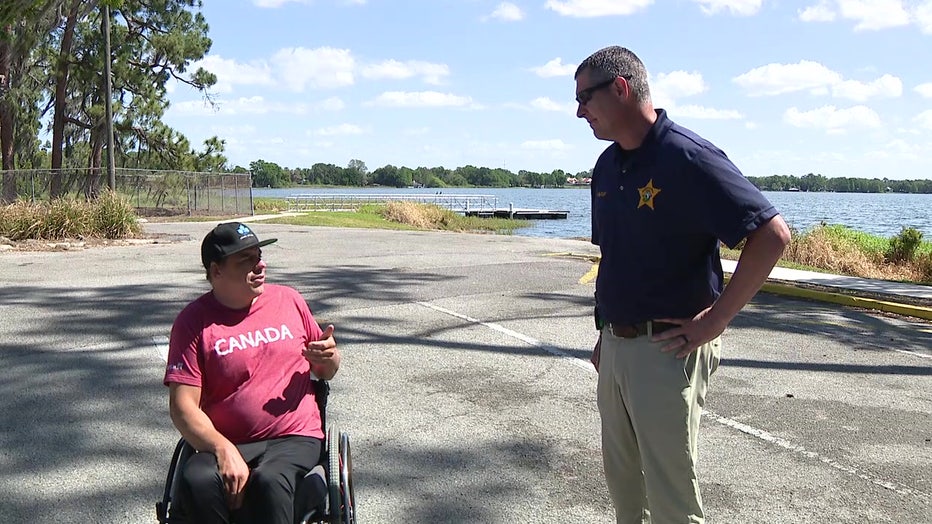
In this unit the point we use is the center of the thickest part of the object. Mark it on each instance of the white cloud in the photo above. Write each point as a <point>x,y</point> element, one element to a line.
<point>923,16</point>
<point>925,90</point>
<point>924,119</point>
<point>668,87</point>
<point>821,12</point>
<point>545,145</point>
<point>254,105</point>
<point>330,104</point>
<point>230,72</point>
<point>705,113</point>
<point>832,119</point>
<point>544,103</point>
<point>775,79</point>
<point>887,86</point>
<point>233,130</point>
<point>677,84</point>
<point>736,7</point>
<point>421,99</point>
<point>593,8</point>
<point>393,69</point>
<point>319,68</point>
<point>874,14</point>
<point>870,15</point>
<point>342,129</point>
<point>896,148</point>
<point>555,67</point>
<point>506,11</point>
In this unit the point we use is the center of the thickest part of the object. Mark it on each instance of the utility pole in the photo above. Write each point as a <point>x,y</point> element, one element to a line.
<point>111,162</point>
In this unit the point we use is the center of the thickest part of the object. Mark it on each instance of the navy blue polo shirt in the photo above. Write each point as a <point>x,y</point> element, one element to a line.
<point>658,214</point>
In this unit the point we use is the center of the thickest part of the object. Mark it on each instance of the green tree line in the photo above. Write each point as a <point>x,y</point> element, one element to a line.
<point>270,174</point>
<point>813,182</point>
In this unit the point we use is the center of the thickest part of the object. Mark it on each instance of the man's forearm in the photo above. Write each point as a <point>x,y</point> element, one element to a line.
<point>198,430</point>
<point>760,254</point>
<point>327,369</point>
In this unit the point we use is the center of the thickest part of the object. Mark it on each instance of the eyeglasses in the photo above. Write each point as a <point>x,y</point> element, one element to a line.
<point>584,96</point>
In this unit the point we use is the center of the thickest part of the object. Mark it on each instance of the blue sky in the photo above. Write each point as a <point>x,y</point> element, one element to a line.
<point>837,87</point>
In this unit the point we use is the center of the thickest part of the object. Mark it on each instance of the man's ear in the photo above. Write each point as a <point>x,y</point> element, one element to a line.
<point>622,87</point>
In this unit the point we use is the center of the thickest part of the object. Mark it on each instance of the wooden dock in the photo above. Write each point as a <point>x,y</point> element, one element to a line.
<point>485,206</point>
<point>526,214</point>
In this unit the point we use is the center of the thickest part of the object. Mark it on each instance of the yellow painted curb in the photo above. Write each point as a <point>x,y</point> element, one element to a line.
<point>845,300</point>
<point>802,292</point>
<point>822,296</point>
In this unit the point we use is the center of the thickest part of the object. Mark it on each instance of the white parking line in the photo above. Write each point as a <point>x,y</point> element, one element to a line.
<point>514,334</point>
<point>725,421</point>
<point>800,450</point>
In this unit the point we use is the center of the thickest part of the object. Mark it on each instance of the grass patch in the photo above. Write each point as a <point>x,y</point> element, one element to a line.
<point>264,205</point>
<point>110,216</point>
<point>841,250</point>
<point>403,216</point>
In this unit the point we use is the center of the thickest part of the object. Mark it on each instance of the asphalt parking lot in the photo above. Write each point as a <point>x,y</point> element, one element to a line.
<point>465,385</point>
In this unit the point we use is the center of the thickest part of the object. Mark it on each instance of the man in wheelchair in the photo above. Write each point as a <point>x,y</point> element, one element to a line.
<point>240,366</point>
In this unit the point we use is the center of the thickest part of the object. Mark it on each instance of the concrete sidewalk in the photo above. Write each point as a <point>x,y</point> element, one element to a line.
<point>882,295</point>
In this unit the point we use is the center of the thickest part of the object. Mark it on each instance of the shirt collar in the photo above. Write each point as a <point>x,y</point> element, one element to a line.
<point>656,133</point>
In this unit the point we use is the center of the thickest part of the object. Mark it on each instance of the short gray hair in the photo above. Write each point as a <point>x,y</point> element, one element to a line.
<point>614,61</point>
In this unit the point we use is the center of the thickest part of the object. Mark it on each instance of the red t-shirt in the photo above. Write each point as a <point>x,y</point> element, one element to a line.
<point>255,383</point>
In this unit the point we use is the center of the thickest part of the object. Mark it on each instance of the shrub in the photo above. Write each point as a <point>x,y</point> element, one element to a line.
<point>925,267</point>
<point>113,216</point>
<point>110,216</point>
<point>904,245</point>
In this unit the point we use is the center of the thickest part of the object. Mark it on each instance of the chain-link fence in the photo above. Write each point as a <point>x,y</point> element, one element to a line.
<point>151,192</point>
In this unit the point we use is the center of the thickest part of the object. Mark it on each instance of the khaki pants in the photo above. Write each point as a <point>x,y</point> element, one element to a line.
<point>650,403</point>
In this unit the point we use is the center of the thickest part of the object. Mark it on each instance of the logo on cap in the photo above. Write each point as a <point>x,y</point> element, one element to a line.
<point>244,231</point>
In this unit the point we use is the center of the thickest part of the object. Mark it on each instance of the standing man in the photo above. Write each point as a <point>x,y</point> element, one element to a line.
<point>239,376</point>
<point>662,199</point>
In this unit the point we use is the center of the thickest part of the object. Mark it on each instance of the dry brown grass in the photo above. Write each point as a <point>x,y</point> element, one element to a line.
<point>416,215</point>
<point>820,249</point>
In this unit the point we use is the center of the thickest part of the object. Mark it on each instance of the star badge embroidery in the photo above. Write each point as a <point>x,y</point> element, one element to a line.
<point>648,193</point>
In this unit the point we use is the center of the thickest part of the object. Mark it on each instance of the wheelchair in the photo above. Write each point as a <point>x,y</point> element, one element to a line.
<point>324,496</point>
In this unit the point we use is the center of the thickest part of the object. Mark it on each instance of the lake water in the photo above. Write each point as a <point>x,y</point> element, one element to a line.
<point>878,213</point>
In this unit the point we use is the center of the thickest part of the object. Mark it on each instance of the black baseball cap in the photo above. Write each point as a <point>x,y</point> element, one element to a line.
<point>229,238</point>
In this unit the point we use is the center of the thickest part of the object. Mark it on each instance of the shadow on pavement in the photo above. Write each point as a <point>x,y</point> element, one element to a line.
<point>83,399</point>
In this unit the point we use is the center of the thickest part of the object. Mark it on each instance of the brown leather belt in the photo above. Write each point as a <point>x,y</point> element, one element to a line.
<point>638,330</point>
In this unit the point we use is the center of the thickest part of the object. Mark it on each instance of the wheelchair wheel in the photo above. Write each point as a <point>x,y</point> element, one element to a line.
<point>346,480</point>
<point>166,510</point>
<point>333,476</point>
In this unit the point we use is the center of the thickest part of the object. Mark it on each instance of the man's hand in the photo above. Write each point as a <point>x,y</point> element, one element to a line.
<point>235,473</point>
<point>692,333</point>
<point>322,354</point>
<point>596,353</point>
